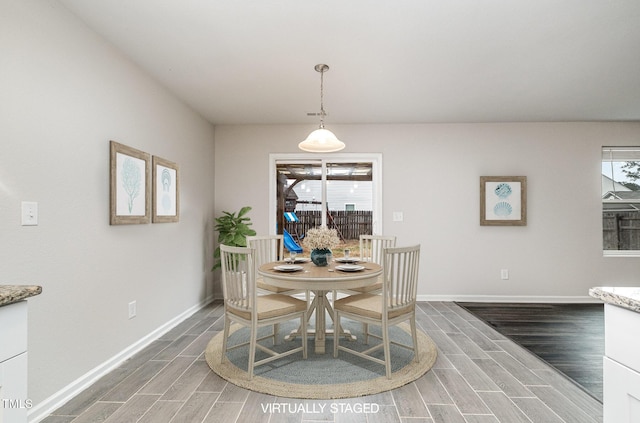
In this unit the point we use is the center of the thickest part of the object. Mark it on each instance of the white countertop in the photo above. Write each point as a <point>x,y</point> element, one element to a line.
<point>626,297</point>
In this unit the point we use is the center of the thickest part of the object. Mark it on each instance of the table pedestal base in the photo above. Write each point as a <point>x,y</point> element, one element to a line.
<point>321,305</point>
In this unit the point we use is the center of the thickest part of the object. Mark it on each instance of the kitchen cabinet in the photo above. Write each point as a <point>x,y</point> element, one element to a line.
<point>14,400</point>
<point>621,365</point>
<point>13,363</point>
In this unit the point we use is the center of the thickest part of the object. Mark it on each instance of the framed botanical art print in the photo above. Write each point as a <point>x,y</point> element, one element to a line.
<point>166,192</point>
<point>503,200</point>
<point>130,188</point>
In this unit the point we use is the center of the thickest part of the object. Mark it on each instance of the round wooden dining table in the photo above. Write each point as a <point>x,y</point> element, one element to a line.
<point>320,280</point>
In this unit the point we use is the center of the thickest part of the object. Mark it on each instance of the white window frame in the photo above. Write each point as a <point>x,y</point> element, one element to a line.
<point>376,163</point>
<point>618,154</point>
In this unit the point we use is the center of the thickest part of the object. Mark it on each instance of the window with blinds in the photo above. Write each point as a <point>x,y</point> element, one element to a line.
<point>621,200</point>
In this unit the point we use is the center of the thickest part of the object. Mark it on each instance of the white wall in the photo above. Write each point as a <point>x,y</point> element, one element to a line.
<point>64,94</point>
<point>432,172</point>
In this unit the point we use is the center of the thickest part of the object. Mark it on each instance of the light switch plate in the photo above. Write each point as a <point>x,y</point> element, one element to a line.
<point>398,216</point>
<point>29,213</point>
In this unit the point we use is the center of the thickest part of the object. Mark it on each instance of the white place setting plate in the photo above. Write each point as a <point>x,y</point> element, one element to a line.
<point>298,260</point>
<point>347,260</point>
<point>350,267</point>
<point>288,268</point>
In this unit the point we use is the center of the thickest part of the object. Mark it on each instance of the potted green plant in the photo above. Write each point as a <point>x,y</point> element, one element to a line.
<point>232,230</point>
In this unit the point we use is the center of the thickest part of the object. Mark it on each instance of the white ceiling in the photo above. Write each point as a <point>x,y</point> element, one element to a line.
<point>403,61</point>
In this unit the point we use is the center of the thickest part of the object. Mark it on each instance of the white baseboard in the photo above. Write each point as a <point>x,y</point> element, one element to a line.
<point>46,407</point>
<point>509,298</point>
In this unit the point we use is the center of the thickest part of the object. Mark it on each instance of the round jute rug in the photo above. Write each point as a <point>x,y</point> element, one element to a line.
<point>321,376</point>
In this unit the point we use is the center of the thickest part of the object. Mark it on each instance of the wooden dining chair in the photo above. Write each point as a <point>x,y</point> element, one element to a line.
<point>269,248</point>
<point>243,306</point>
<point>371,250</point>
<point>396,304</point>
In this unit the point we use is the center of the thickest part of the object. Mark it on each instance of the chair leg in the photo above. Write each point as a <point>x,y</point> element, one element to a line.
<point>303,335</point>
<point>252,350</point>
<point>227,323</point>
<point>365,333</point>
<point>387,350</point>
<point>276,330</point>
<point>414,335</point>
<point>336,332</point>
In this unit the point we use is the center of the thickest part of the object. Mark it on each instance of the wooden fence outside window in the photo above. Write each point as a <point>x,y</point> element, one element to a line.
<point>349,224</point>
<point>621,230</point>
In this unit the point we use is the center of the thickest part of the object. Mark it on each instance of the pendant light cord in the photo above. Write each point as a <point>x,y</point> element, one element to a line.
<point>322,68</point>
<point>322,113</point>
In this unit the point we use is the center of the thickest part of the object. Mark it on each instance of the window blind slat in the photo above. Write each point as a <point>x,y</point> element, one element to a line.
<point>620,154</point>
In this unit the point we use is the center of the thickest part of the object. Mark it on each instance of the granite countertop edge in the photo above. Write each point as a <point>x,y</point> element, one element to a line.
<point>625,297</point>
<point>10,294</point>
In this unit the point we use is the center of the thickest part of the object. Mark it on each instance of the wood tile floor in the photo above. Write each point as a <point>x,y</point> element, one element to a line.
<point>480,377</point>
<point>570,337</point>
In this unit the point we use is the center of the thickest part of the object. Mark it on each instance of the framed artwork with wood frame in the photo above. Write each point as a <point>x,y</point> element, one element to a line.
<point>130,185</point>
<point>503,200</point>
<point>166,192</point>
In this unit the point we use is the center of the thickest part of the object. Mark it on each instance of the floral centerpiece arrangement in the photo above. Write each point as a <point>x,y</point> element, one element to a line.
<point>320,241</point>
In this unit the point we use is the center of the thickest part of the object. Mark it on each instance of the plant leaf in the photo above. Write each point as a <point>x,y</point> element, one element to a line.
<point>244,211</point>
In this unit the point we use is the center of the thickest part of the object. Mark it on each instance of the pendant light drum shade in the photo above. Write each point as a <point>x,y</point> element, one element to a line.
<point>321,140</point>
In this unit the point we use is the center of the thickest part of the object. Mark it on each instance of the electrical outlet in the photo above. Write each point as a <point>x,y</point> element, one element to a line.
<point>132,309</point>
<point>504,274</point>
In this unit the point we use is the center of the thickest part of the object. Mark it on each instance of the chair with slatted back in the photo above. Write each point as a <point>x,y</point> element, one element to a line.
<point>371,250</point>
<point>268,248</point>
<point>394,305</point>
<point>243,306</point>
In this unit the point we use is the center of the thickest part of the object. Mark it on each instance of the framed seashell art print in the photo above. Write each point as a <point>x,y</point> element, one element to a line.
<point>503,200</point>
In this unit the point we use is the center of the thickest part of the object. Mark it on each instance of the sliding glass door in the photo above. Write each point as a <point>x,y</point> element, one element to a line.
<point>342,193</point>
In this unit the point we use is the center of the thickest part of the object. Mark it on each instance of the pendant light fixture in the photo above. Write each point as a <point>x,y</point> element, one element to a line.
<point>321,140</point>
